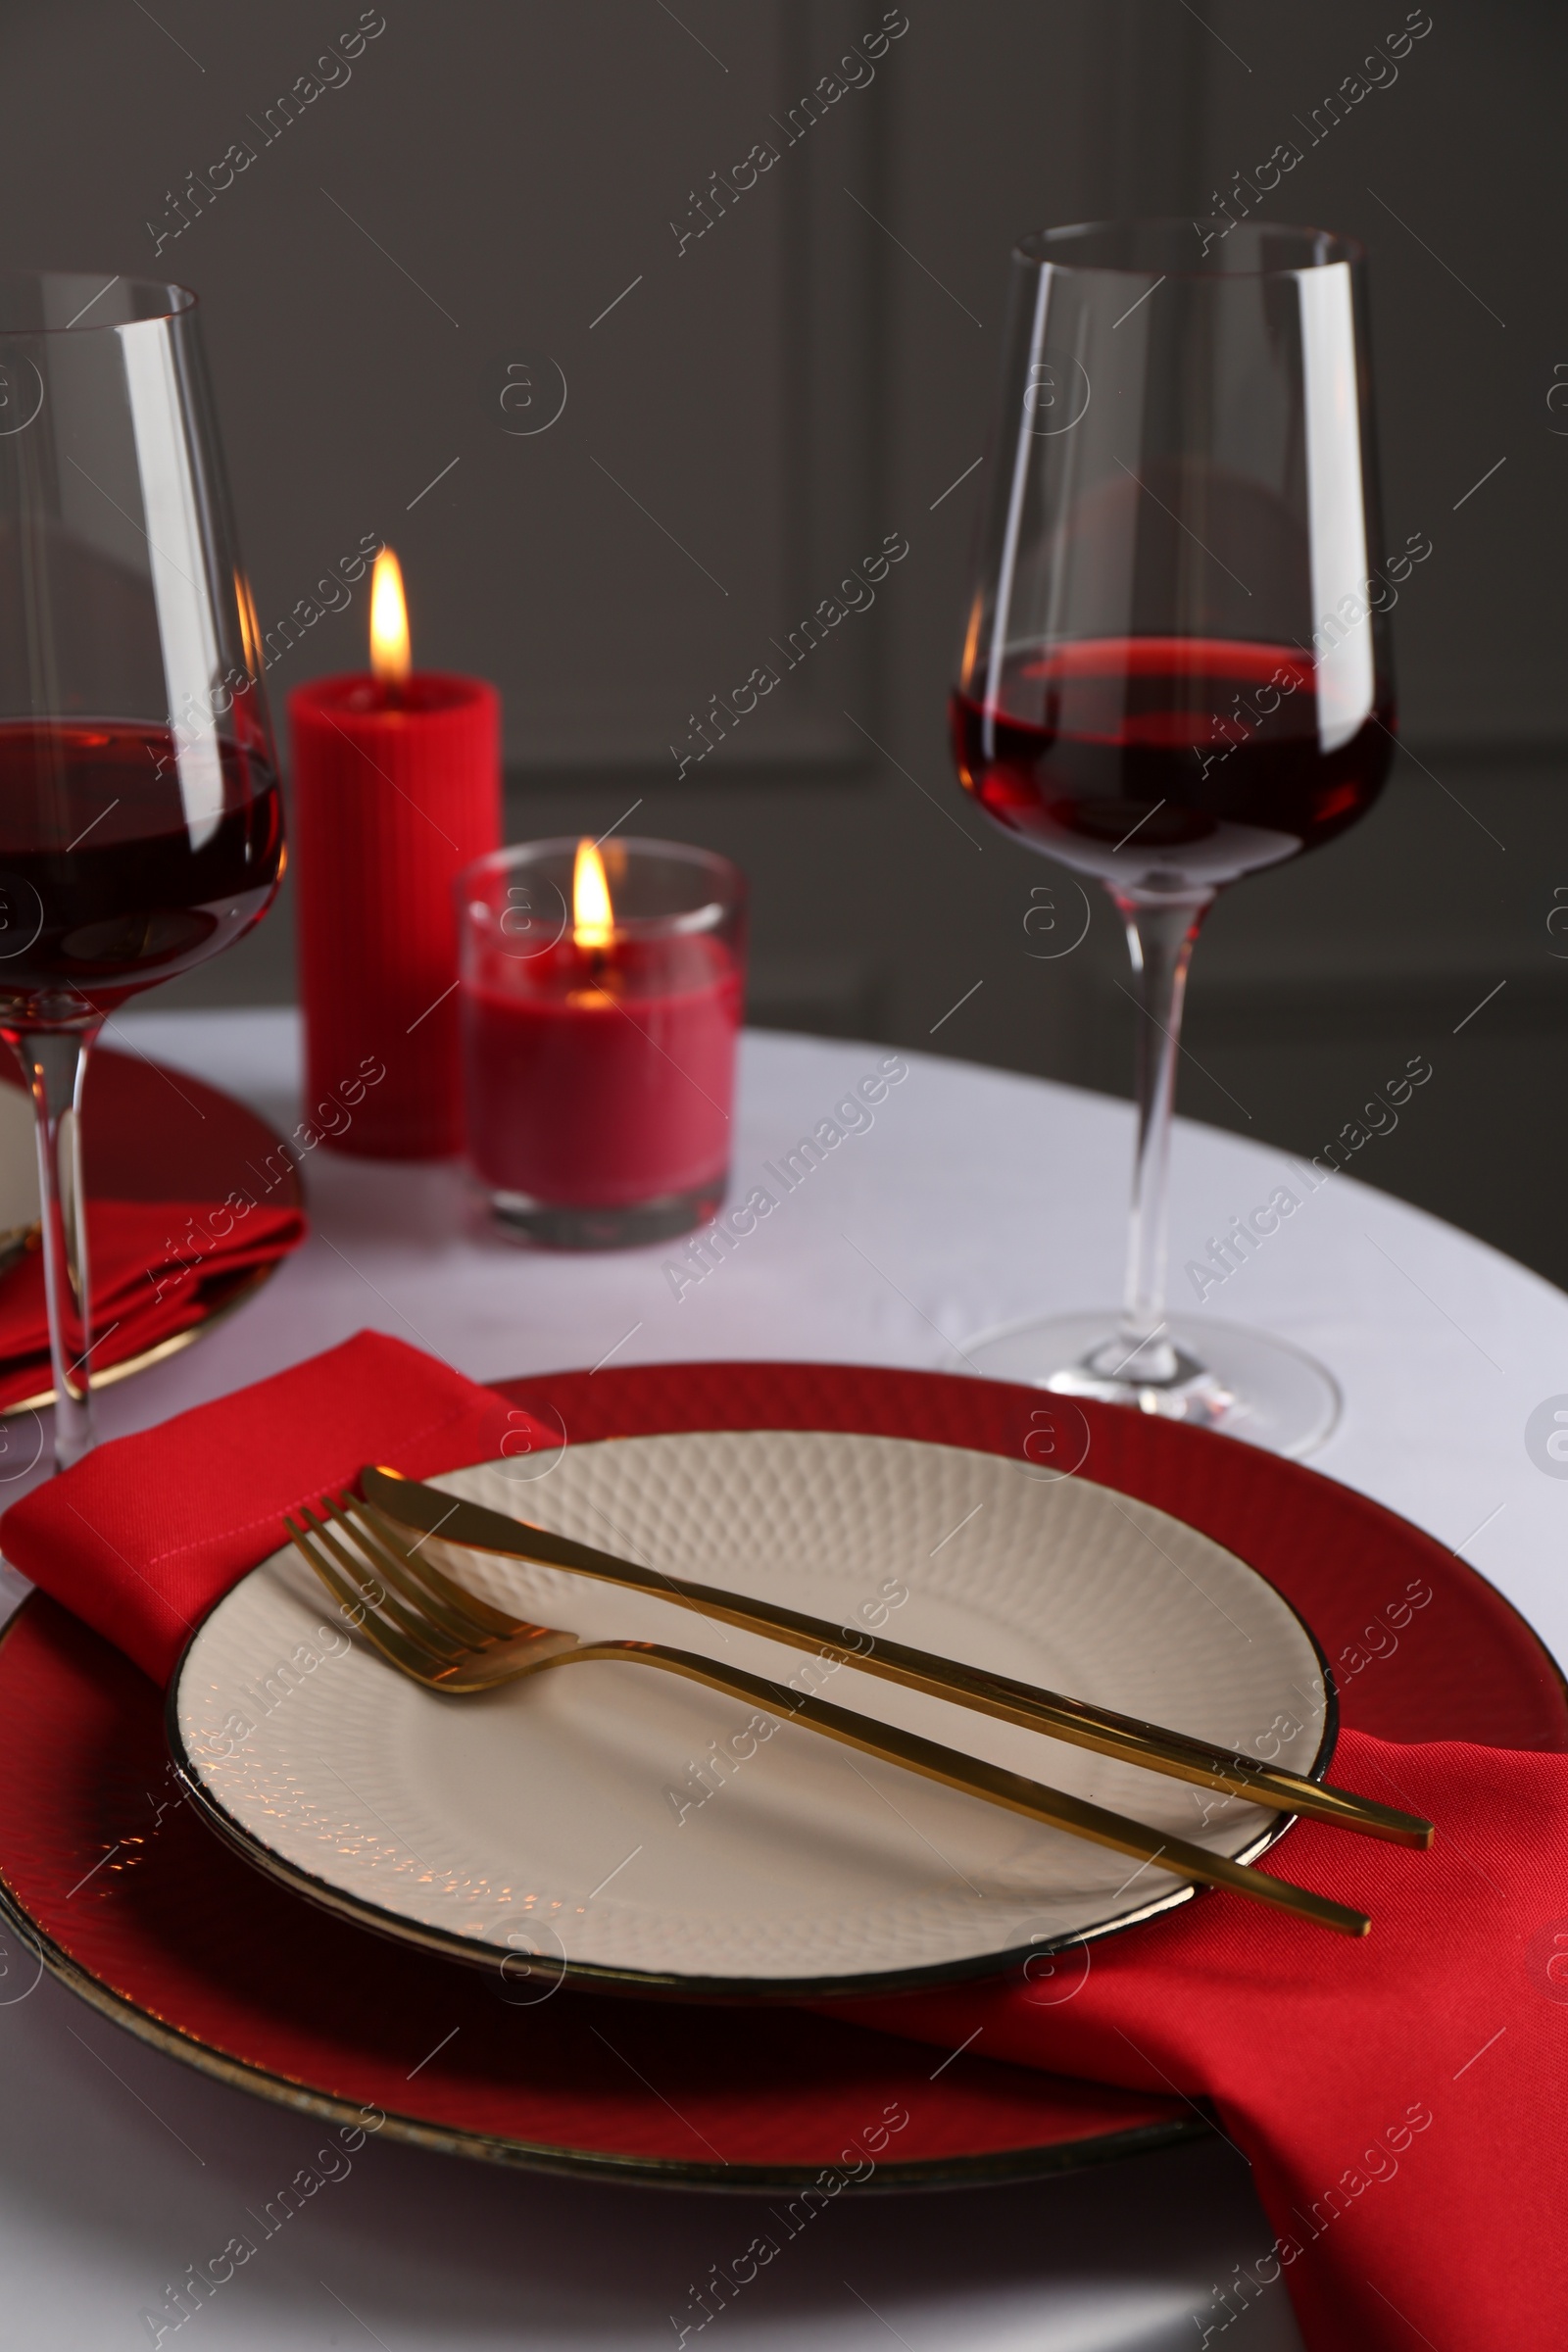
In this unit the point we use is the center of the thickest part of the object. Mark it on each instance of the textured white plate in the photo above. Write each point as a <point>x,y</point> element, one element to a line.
<point>619,1823</point>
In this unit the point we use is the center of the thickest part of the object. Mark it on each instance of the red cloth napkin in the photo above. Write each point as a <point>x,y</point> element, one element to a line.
<point>1399,2099</point>
<point>145,1534</point>
<point>187,1192</point>
<point>155,1265</point>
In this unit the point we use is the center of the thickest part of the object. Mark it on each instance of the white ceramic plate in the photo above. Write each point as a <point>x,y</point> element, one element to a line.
<point>624,1826</point>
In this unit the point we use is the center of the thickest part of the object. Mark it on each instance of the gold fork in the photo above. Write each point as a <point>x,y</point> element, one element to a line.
<point>445,1637</point>
<point>426,1509</point>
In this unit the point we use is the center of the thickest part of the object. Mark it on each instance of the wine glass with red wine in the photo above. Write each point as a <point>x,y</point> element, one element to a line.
<point>140,826</point>
<point>1175,673</point>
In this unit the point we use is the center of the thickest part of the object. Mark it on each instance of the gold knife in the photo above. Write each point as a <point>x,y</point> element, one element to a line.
<point>411,1504</point>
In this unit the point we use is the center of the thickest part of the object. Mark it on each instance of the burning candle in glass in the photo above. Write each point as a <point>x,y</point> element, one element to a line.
<point>601,1001</point>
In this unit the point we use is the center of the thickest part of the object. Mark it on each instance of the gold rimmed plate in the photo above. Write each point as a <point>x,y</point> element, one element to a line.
<point>188,1947</point>
<point>658,1837</point>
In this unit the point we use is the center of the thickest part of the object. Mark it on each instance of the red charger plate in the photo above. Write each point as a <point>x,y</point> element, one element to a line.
<point>111,1882</point>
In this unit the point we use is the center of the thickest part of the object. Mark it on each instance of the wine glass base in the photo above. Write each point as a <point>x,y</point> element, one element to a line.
<point>1225,1376</point>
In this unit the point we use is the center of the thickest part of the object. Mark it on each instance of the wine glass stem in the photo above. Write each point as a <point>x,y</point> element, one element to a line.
<point>54,1064</point>
<point>1160,935</point>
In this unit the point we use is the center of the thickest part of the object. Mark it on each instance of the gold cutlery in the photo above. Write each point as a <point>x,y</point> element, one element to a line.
<point>430,1513</point>
<point>445,1637</point>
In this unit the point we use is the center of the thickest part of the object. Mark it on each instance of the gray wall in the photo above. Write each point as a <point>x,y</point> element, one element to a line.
<point>813,371</point>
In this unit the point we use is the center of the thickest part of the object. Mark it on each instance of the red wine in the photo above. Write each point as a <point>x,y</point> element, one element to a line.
<point>1167,764</point>
<point>116,873</point>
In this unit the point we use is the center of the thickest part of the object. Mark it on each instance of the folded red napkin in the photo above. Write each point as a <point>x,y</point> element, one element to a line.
<point>1398,2098</point>
<point>187,1192</point>
<point>145,1534</point>
<point>156,1267</point>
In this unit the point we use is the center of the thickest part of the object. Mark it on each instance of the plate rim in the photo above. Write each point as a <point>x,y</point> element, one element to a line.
<point>1000,2166</point>
<point>679,1985</point>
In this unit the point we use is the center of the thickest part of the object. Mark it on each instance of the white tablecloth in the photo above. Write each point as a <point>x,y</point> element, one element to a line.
<point>975,1196</point>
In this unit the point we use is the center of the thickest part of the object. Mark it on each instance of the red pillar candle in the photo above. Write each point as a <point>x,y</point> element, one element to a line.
<point>397,788</point>
<point>599,1018</point>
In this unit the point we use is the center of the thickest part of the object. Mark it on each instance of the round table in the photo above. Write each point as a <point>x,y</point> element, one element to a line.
<point>971,1198</point>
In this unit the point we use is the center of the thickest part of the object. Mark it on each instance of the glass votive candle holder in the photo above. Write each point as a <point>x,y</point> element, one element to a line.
<point>601,997</point>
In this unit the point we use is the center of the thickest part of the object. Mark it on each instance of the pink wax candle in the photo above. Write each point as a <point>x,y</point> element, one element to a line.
<point>601,1001</point>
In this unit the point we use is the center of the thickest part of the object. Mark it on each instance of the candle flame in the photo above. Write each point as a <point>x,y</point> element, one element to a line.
<point>593,918</point>
<point>389,621</point>
<point>250,634</point>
